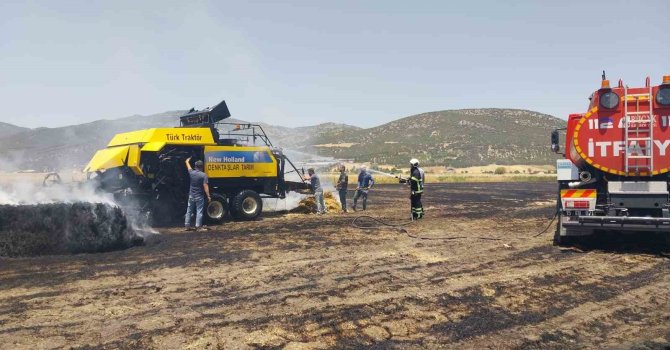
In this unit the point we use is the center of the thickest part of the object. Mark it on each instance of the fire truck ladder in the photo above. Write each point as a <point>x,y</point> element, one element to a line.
<point>638,127</point>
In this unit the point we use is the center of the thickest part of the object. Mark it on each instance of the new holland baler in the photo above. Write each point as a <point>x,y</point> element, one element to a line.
<point>146,170</point>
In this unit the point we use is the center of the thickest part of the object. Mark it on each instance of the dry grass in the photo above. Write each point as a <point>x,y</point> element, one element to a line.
<point>441,174</point>
<point>452,178</point>
<point>308,205</point>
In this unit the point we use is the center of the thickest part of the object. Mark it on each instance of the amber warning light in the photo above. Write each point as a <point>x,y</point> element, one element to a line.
<point>605,84</point>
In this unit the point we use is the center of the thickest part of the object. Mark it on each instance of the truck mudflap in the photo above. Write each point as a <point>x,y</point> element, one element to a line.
<point>635,223</point>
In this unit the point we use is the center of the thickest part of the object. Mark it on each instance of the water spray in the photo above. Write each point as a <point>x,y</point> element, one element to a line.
<point>387,174</point>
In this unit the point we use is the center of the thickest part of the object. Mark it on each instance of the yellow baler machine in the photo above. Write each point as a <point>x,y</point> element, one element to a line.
<point>146,168</point>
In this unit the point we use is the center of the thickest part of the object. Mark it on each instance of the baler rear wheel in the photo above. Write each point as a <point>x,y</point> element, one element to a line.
<point>247,205</point>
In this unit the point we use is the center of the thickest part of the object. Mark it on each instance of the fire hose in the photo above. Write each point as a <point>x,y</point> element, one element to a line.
<point>549,225</point>
<point>378,223</point>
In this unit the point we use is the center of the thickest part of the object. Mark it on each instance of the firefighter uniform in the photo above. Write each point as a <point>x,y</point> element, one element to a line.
<point>416,186</point>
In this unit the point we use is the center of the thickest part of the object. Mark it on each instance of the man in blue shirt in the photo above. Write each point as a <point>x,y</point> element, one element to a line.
<point>365,182</point>
<point>198,191</point>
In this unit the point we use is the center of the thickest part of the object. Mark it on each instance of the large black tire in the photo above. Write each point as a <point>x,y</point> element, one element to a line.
<point>217,209</point>
<point>247,205</point>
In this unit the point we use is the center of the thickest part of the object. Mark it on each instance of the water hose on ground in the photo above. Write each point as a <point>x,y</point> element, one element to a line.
<point>549,225</point>
<point>377,223</point>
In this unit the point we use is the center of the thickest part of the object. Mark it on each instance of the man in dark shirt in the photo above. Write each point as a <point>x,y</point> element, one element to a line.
<point>342,184</point>
<point>198,191</point>
<point>365,182</point>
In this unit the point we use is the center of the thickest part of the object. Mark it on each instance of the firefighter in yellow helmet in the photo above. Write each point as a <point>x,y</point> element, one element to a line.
<point>415,182</point>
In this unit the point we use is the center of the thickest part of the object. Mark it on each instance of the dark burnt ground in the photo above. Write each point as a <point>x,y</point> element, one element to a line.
<point>303,282</point>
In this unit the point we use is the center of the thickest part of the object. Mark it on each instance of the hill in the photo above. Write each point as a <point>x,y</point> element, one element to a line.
<point>7,129</point>
<point>71,146</point>
<point>452,138</point>
<point>47,149</point>
<point>456,138</point>
<point>303,137</point>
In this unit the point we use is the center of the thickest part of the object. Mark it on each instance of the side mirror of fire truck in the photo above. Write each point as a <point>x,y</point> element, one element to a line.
<point>554,142</point>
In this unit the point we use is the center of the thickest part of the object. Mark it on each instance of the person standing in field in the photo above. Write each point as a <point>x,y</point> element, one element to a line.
<point>198,191</point>
<point>365,182</point>
<point>315,182</point>
<point>415,182</point>
<point>342,184</point>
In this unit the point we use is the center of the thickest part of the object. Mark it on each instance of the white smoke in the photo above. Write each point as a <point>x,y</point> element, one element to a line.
<point>328,186</point>
<point>291,202</point>
<point>24,193</point>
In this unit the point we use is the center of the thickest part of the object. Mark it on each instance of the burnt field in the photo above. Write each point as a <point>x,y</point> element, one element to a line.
<point>297,281</point>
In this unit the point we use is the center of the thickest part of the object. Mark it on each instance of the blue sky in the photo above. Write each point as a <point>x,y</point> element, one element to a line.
<point>297,63</point>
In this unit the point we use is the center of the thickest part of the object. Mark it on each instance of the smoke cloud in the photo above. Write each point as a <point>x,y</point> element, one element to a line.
<point>26,192</point>
<point>291,202</point>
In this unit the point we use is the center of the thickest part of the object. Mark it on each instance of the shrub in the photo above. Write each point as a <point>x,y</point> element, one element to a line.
<point>500,170</point>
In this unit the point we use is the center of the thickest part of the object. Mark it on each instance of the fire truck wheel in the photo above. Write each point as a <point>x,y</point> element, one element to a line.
<point>216,209</point>
<point>247,205</point>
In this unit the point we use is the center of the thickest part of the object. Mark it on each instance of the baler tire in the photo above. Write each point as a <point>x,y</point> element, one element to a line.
<point>247,205</point>
<point>216,209</point>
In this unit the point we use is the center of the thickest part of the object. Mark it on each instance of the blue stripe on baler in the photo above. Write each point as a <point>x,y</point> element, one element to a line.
<point>237,157</point>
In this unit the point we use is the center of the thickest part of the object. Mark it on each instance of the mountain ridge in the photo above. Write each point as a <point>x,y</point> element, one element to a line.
<point>463,137</point>
<point>7,129</point>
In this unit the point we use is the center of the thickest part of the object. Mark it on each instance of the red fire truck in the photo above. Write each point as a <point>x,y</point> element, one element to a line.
<point>616,166</point>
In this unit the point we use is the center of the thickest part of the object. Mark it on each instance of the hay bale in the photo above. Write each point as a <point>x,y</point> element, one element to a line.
<point>308,205</point>
<point>63,228</point>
